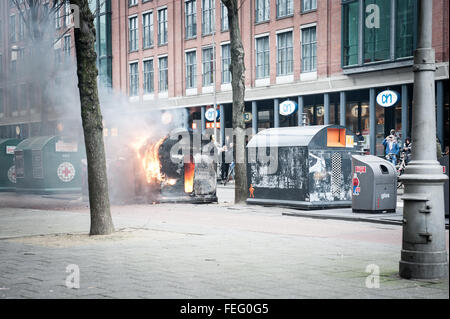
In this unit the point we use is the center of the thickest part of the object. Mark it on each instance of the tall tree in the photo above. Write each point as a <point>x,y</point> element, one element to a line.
<point>101,221</point>
<point>237,68</point>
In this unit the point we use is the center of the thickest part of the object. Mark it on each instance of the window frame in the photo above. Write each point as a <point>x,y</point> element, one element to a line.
<point>135,31</point>
<point>226,73</point>
<point>287,49</point>
<point>208,72</point>
<point>193,18</point>
<point>165,25</point>
<point>311,9</point>
<point>210,12</point>
<point>148,30</point>
<point>191,69</point>
<point>133,79</point>
<point>265,9</point>
<point>312,58</point>
<point>289,4</point>
<point>148,76</point>
<point>264,52</point>
<point>392,59</point>
<point>166,74</point>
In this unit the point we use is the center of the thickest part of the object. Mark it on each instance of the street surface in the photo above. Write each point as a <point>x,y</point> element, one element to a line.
<point>197,251</point>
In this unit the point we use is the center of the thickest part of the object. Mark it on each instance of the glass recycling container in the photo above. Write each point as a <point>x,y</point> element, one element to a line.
<point>7,167</point>
<point>48,164</point>
<point>306,167</point>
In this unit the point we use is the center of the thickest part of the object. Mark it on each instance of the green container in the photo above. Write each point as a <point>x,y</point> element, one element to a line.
<point>48,164</point>
<point>7,168</point>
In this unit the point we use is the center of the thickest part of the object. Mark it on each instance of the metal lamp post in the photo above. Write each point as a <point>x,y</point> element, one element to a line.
<point>424,254</point>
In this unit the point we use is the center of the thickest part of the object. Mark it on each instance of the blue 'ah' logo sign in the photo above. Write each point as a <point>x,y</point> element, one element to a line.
<point>387,98</point>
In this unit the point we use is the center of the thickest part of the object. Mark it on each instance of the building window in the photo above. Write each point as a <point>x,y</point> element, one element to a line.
<point>21,28</point>
<point>57,19</point>
<point>162,26</point>
<point>12,28</point>
<point>67,45</point>
<point>262,10</point>
<point>404,33</point>
<point>208,66</point>
<point>350,33</point>
<point>148,77</point>
<point>208,14</point>
<point>262,58</point>
<point>147,25</point>
<point>191,19</point>
<point>163,75</point>
<point>132,3</point>
<point>133,37</point>
<point>309,49</point>
<point>223,17</point>
<point>134,79</point>
<point>285,59</point>
<point>191,69</point>
<point>309,5</point>
<point>285,8</point>
<point>377,38</point>
<point>226,62</point>
<point>385,38</point>
<point>67,12</point>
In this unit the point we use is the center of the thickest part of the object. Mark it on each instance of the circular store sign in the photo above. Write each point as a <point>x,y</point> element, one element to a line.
<point>288,108</point>
<point>209,114</point>
<point>66,172</point>
<point>387,98</point>
<point>12,174</point>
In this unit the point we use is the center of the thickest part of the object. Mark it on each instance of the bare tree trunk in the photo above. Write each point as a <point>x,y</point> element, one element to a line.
<point>101,221</point>
<point>237,68</point>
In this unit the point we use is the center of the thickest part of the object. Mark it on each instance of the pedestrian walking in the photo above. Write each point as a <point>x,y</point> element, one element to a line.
<point>391,147</point>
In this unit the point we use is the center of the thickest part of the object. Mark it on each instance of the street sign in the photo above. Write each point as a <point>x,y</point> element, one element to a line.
<point>288,108</point>
<point>209,114</point>
<point>247,117</point>
<point>387,98</point>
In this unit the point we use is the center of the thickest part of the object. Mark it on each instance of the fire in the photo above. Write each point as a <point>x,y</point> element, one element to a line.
<point>151,163</point>
<point>189,169</point>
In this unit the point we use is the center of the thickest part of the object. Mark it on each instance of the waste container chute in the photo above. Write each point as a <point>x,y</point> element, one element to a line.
<point>306,167</point>
<point>7,167</point>
<point>374,185</point>
<point>48,164</point>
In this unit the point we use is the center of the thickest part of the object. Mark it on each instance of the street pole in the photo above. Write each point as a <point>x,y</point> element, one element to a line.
<point>214,76</point>
<point>424,254</point>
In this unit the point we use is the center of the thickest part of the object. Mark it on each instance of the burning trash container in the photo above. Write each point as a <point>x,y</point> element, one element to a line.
<point>7,168</point>
<point>48,164</point>
<point>174,169</point>
<point>308,167</point>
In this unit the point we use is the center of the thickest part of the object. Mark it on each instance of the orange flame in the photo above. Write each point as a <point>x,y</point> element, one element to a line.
<point>189,169</point>
<point>151,163</point>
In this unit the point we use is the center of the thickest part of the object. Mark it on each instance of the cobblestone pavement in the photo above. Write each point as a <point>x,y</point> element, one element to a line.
<point>202,251</point>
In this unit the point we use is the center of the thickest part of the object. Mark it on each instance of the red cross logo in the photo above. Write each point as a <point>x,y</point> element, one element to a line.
<point>66,172</point>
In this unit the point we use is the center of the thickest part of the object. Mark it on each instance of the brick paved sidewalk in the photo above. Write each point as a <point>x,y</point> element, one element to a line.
<point>203,251</point>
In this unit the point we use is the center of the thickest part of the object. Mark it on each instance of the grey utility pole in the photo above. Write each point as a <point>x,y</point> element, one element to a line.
<point>424,254</point>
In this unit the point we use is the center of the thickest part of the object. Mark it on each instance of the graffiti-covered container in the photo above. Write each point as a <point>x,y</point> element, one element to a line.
<point>308,167</point>
<point>48,164</point>
<point>7,167</point>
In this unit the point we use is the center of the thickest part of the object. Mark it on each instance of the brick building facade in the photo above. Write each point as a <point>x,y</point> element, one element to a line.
<point>332,57</point>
